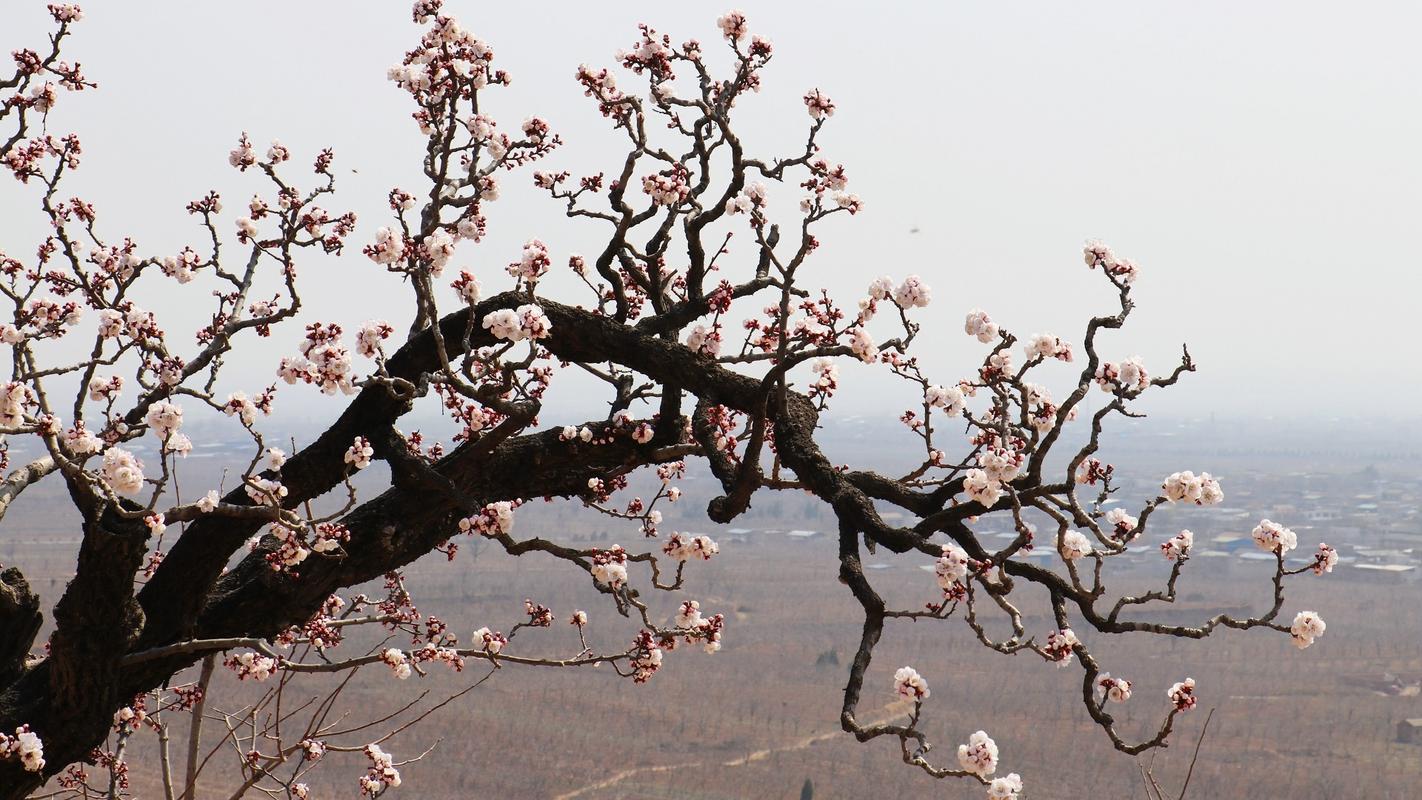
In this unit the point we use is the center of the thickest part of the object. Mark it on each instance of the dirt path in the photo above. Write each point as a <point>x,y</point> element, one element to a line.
<point>892,710</point>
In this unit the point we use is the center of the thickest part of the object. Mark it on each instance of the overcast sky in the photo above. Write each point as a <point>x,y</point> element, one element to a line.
<point>1259,160</point>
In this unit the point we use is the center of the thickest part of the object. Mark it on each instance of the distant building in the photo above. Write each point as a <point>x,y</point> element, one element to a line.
<point>1409,731</point>
<point>1394,573</point>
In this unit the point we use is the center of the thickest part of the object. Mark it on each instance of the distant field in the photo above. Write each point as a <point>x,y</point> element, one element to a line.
<point>759,718</point>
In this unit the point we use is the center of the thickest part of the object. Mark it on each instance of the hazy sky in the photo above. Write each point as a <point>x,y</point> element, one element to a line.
<point>1259,160</point>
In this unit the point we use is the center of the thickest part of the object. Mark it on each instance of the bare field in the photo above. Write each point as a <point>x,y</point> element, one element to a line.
<point>760,717</point>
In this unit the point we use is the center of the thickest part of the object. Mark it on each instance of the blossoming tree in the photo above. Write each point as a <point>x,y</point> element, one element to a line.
<point>724,356</point>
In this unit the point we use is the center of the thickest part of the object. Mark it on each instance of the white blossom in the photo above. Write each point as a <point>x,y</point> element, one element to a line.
<point>979,324</point>
<point>1075,545</point>
<point>948,398</point>
<point>909,685</point>
<point>122,470</point>
<point>979,755</point>
<point>863,345</point>
<point>1274,538</point>
<point>1005,788</point>
<point>1118,690</point>
<point>1182,694</point>
<point>164,418</point>
<point>952,566</point>
<point>1178,546</point>
<point>981,488</point>
<point>359,453</point>
<point>1308,625</point>
<point>913,293</point>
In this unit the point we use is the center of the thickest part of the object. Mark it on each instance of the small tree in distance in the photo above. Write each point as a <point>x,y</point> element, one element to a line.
<point>710,353</point>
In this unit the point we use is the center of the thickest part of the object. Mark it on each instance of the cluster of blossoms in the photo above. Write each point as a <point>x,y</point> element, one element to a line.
<point>182,266</point>
<point>122,471</point>
<point>388,248</point>
<point>979,755</point>
<point>1307,626</point>
<point>862,345</point>
<point>733,25</point>
<point>751,200</point>
<point>952,567</point>
<point>533,262</point>
<point>1008,787</point>
<point>381,774</point>
<point>1099,255</point>
<point>1075,545</point>
<point>981,487</point>
<point>1001,463</point>
<point>468,287</point>
<point>818,104</point>
<point>208,502</point>
<point>397,661</point>
<point>569,433</point>
<point>911,293</point>
<point>539,615</point>
<point>324,361</point>
<point>1203,489</point>
<point>1044,345</point>
<point>669,187</point>
<point>24,745</point>
<point>610,566</point>
<point>261,490</point>
<point>492,519</point>
<point>683,548</point>
<point>437,248</point>
<point>131,717</point>
<point>708,630</point>
<point>1129,376</point>
<point>1042,412</point>
<point>1324,559</point>
<point>1182,695</point>
<point>1177,547</point>
<point>251,665</point>
<point>1059,647</point>
<point>245,408</point>
<point>313,749</point>
<point>1123,525</point>
<point>81,441</point>
<point>1118,690</point>
<point>516,324</point>
<point>948,398</point>
<point>164,419</point>
<point>705,341</point>
<point>15,398</point>
<point>826,378</point>
<point>646,657</point>
<point>1272,537</point>
<point>448,655</point>
<point>980,325</point>
<point>291,549</point>
<point>909,685</point>
<point>369,336</point>
<point>490,641</point>
<point>358,455</point>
